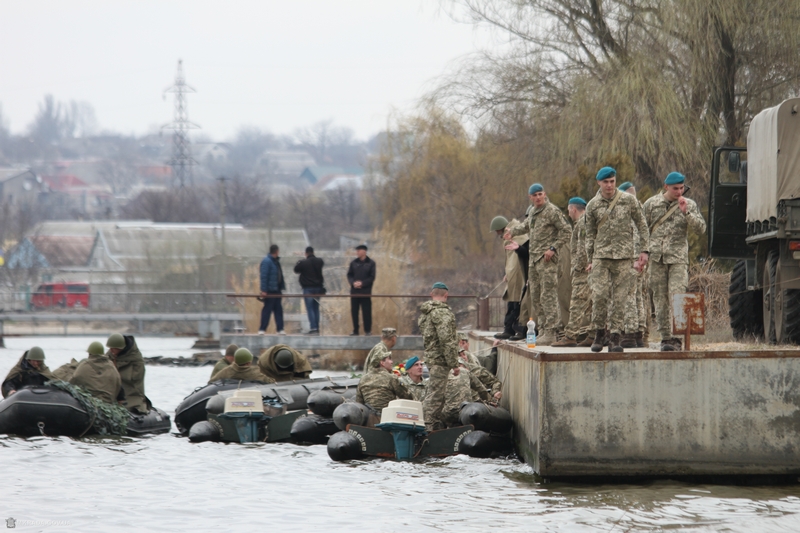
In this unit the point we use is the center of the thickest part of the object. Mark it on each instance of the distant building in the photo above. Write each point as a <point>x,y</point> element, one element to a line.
<point>19,186</point>
<point>315,174</point>
<point>287,163</point>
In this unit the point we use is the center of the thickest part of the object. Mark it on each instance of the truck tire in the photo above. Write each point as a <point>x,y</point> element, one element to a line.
<point>744,306</point>
<point>787,312</point>
<point>768,301</point>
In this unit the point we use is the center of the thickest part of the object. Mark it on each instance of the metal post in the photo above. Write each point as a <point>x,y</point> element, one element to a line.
<point>483,314</point>
<point>222,205</point>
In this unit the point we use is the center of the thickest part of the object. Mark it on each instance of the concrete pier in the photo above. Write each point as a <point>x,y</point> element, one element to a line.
<point>651,413</point>
<point>255,343</point>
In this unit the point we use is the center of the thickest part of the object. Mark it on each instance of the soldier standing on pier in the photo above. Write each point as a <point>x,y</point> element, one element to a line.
<point>669,217</point>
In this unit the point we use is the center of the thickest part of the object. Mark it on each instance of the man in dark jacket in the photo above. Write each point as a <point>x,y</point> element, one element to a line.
<point>29,371</point>
<point>361,276</point>
<point>272,282</point>
<point>311,280</point>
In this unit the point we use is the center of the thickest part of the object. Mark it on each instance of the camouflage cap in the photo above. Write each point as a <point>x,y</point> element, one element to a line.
<point>462,336</point>
<point>376,361</point>
<point>388,333</point>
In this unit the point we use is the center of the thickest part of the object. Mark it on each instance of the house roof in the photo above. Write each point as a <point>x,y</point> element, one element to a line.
<point>11,173</point>
<point>62,251</point>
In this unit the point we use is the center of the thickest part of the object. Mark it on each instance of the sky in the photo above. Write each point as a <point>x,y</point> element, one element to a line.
<point>275,65</point>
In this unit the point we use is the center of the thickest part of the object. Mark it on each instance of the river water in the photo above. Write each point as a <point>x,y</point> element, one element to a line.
<point>166,483</point>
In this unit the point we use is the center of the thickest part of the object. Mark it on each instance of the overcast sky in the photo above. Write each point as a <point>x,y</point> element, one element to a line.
<point>276,65</point>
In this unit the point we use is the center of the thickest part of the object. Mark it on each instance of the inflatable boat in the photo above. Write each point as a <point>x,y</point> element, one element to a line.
<point>50,411</point>
<point>293,395</point>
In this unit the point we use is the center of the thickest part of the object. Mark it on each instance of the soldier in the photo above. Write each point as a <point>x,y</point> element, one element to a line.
<point>65,371</point>
<point>381,350</point>
<point>669,217</point>
<point>514,277</point>
<point>283,363</point>
<point>548,232</point>
<point>122,350</point>
<point>635,339</point>
<point>30,370</point>
<point>242,369</point>
<point>487,379</point>
<point>611,258</point>
<point>413,379</point>
<point>461,387</point>
<point>580,303</point>
<point>376,389</point>
<point>226,361</point>
<point>98,376</point>
<point>437,323</point>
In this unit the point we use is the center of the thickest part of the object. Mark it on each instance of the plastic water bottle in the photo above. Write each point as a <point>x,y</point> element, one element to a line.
<point>531,337</point>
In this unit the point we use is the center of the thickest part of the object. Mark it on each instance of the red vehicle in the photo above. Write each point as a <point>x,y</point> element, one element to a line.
<point>61,295</point>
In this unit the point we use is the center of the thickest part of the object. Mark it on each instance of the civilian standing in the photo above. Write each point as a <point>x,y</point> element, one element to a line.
<point>312,282</point>
<point>272,282</point>
<point>361,276</point>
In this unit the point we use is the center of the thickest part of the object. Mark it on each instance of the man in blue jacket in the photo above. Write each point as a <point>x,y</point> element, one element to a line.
<point>272,283</point>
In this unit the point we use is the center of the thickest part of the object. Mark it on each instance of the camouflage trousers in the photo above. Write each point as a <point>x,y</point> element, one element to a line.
<point>639,305</point>
<point>433,404</point>
<point>613,284</point>
<point>666,280</point>
<point>580,305</point>
<point>543,283</point>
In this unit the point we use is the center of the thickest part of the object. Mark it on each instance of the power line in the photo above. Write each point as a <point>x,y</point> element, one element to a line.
<point>181,161</point>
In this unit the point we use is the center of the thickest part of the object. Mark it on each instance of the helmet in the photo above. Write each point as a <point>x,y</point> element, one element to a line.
<point>35,354</point>
<point>284,359</point>
<point>116,340</point>
<point>231,350</point>
<point>242,356</point>
<point>96,348</point>
<point>498,223</point>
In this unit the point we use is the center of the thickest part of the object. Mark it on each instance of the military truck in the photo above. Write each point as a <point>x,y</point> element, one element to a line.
<point>754,217</point>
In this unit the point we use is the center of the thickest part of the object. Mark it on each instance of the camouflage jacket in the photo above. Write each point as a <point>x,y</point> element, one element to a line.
<point>615,238</point>
<point>375,356</point>
<point>417,390</point>
<point>546,227</point>
<point>669,243</point>
<point>437,323</point>
<point>487,379</point>
<point>464,387</point>
<point>577,245</point>
<point>244,373</point>
<point>377,389</point>
<point>98,376</point>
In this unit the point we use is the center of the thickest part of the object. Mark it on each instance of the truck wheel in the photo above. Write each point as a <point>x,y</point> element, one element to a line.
<point>787,311</point>
<point>769,289</point>
<point>744,306</point>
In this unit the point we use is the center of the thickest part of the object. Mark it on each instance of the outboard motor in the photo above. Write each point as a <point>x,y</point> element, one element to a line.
<point>403,419</point>
<point>245,408</point>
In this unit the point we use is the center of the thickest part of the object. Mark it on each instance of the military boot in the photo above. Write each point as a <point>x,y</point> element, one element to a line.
<point>566,342</point>
<point>547,339</point>
<point>640,340</point>
<point>584,341</point>
<point>628,340</point>
<point>597,344</point>
<point>606,338</point>
<point>676,344</point>
<point>614,343</point>
<point>666,345</point>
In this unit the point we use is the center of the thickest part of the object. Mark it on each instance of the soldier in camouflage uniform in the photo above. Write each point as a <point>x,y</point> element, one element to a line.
<point>98,376</point>
<point>580,302</point>
<point>635,339</point>
<point>487,379</point>
<point>612,261</point>
<point>548,232</point>
<point>669,216</point>
<point>226,361</point>
<point>376,389</point>
<point>122,350</point>
<point>461,387</point>
<point>437,323</point>
<point>380,350</point>
<point>413,379</point>
<point>242,369</point>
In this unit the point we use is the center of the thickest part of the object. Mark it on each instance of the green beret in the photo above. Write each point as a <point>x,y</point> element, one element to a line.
<point>577,200</point>
<point>625,186</point>
<point>674,178</point>
<point>536,187</point>
<point>605,173</point>
<point>440,285</point>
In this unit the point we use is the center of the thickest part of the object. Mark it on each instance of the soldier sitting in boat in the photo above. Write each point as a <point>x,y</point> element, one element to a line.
<point>486,362</point>
<point>413,379</point>
<point>381,350</point>
<point>379,387</point>
<point>65,371</point>
<point>461,388</point>
<point>488,379</point>
<point>283,363</point>
<point>122,350</point>
<point>242,369</point>
<point>226,360</point>
<point>30,370</point>
<point>98,376</point>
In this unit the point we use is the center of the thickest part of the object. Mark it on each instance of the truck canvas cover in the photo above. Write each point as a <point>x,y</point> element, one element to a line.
<point>773,159</point>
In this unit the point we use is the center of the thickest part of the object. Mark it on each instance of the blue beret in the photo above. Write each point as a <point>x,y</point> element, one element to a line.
<point>625,186</point>
<point>674,178</point>
<point>410,362</point>
<point>536,187</point>
<point>605,173</point>
<point>577,200</point>
<point>440,285</point>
